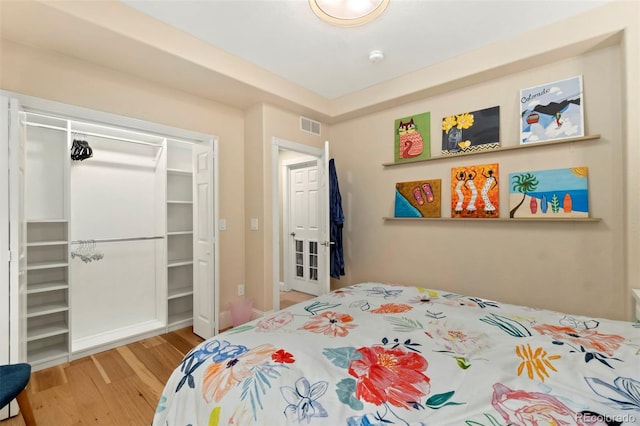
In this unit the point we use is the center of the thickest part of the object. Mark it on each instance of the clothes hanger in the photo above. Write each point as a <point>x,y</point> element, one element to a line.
<point>80,149</point>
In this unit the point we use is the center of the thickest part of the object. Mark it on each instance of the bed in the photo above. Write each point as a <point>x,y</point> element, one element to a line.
<point>377,354</point>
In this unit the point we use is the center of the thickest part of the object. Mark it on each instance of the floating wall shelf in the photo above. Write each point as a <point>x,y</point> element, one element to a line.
<point>497,219</point>
<point>493,151</point>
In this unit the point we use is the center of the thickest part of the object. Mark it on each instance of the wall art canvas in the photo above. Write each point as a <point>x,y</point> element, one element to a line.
<point>412,137</point>
<point>545,194</point>
<point>552,111</point>
<point>471,131</point>
<point>474,191</point>
<point>419,198</point>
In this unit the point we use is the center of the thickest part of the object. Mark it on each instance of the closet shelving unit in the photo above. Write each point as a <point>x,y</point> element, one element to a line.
<point>179,235</point>
<point>47,243</point>
<point>138,185</point>
<point>47,291</point>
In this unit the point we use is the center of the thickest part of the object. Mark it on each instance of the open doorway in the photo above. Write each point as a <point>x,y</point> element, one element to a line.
<point>300,222</point>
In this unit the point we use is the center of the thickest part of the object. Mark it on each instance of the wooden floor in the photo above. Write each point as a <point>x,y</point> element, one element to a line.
<point>118,387</point>
<point>288,298</point>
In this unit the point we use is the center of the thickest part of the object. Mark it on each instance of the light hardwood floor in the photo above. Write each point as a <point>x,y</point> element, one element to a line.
<point>118,387</point>
<point>288,298</point>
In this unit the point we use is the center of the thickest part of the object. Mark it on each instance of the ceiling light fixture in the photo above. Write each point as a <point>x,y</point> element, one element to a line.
<point>348,13</point>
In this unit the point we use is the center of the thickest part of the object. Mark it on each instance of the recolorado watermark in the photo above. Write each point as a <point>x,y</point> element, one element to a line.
<point>593,418</point>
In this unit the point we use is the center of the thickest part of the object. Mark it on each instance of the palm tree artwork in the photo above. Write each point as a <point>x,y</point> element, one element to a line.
<point>523,183</point>
<point>556,193</point>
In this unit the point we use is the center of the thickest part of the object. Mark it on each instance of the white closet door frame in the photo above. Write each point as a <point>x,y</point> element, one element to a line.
<point>7,341</point>
<point>5,338</point>
<point>34,104</point>
<point>12,239</point>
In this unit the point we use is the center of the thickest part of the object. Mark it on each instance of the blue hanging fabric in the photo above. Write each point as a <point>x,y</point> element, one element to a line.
<point>336,222</point>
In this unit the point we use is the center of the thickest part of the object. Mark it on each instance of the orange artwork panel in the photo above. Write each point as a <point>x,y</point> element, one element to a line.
<point>474,191</point>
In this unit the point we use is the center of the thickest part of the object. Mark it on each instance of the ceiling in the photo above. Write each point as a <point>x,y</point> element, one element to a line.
<point>284,37</point>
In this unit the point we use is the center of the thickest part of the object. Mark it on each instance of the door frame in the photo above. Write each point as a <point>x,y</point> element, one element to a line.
<point>287,167</point>
<point>5,319</point>
<point>277,145</point>
<point>73,112</point>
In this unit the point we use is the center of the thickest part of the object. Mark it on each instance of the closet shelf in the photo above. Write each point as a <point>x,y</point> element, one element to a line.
<point>180,292</point>
<point>488,220</point>
<point>46,308</point>
<point>47,265</point>
<point>47,243</point>
<point>179,172</point>
<point>493,151</point>
<point>48,353</point>
<point>179,202</point>
<point>182,262</point>
<point>180,317</point>
<point>45,287</point>
<point>47,221</point>
<point>53,329</point>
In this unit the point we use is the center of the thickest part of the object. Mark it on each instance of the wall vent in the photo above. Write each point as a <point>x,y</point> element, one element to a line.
<point>310,126</point>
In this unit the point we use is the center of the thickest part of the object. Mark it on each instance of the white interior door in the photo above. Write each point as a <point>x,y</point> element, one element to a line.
<point>308,265</point>
<point>303,229</point>
<point>204,320</point>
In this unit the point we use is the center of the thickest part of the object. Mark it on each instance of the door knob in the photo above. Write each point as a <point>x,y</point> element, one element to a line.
<point>293,234</point>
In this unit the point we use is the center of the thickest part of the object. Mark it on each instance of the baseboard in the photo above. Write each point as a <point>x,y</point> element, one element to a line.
<point>281,286</point>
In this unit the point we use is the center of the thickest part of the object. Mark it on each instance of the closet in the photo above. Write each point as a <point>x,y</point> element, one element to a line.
<point>113,225</point>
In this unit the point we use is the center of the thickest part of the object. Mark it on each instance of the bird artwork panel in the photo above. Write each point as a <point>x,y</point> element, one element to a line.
<point>412,137</point>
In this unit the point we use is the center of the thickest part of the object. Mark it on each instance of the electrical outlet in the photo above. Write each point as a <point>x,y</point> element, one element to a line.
<point>240,289</point>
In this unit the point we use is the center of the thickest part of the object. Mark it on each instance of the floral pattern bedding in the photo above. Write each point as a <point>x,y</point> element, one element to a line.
<point>376,354</point>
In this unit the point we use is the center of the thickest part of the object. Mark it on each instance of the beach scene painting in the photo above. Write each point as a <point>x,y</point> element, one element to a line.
<point>419,198</point>
<point>552,111</point>
<point>546,194</point>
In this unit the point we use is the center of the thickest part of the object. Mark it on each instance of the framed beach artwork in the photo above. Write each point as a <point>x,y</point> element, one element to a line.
<point>556,193</point>
<point>471,131</point>
<point>412,137</point>
<point>474,191</point>
<point>419,198</point>
<point>552,111</point>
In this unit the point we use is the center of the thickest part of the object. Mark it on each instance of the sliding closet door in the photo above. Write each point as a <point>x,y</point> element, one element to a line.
<point>117,254</point>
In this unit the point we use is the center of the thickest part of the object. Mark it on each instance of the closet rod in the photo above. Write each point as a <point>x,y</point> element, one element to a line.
<point>78,132</point>
<point>46,126</point>
<point>110,240</point>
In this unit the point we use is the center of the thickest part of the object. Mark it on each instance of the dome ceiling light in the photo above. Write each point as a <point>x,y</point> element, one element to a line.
<point>348,13</point>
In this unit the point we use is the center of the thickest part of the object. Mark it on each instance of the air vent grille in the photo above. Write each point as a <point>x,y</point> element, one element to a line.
<point>310,126</point>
